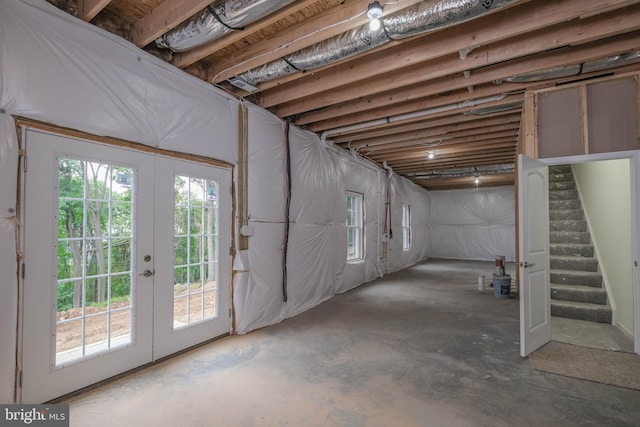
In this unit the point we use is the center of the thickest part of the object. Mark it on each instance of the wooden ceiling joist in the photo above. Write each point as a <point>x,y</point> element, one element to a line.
<point>370,78</point>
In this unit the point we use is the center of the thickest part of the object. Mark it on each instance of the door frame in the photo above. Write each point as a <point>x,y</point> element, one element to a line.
<point>634,157</point>
<point>23,125</point>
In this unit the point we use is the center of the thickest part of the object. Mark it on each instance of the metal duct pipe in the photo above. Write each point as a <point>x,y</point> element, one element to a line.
<point>435,14</point>
<point>418,19</point>
<point>216,21</point>
<point>576,69</point>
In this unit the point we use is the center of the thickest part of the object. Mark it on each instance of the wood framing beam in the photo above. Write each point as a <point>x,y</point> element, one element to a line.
<point>418,105</point>
<point>363,111</point>
<point>366,135</point>
<point>449,132</point>
<point>452,183</point>
<point>502,45</point>
<point>337,20</point>
<point>568,56</point>
<point>88,9</point>
<point>393,121</point>
<point>164,17</point>
<point>421,153</point>
<point>185,59</point>
<point>402,146</point>
<point>473,161</point>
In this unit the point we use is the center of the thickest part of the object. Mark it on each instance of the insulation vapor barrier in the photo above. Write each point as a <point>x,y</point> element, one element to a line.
<point>417,19</point>
<point>216,21</point>
<point>473,224</point>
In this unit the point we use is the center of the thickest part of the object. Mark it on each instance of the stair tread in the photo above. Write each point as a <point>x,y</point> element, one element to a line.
<point>577,288</point>
<point>583,305</point>
<point>587,273</point>
<point>573,257</point>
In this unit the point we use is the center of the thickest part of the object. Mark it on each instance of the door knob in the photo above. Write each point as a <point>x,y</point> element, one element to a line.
<point>147,273</point>
<point>526,264</point>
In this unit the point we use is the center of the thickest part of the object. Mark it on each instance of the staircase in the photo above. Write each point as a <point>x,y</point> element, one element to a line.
<point>577,291</point>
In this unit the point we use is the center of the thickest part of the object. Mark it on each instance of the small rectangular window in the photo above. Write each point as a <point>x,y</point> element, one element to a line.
<point>355,228</point>
<point>406,228</point>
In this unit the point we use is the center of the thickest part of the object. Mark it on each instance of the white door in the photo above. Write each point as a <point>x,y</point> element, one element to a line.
<point>104,260</point>
<point>193,240</point>
<point>533,209</point>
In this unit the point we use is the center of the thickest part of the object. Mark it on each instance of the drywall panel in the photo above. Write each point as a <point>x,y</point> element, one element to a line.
<point>473,224</point>
<point>605,192</point>
<point>613,115</point>
<point>560,123</point>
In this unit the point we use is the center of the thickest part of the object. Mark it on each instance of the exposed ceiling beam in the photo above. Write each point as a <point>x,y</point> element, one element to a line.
<point>383,142</point>
<point>88,9</point>
<point>498,137</point>
<point>451,138</point>
<point>419,116</point>
<point>335,90</point>
<point>461,162</point>
<point>185,59</point>
<point>334,21</point>
<point>365,114</point>
<point>461,182</point>
<point>504,23</point>
<point>368,134</point>
<point>574,55</point>
<point>164,17</point>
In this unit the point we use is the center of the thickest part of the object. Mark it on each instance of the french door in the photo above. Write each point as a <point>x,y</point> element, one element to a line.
<point>126,260</point>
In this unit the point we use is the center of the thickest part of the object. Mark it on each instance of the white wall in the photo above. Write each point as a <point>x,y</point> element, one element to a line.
<point>317,247</point>
<point>473,224</point>
<point>605,191</point>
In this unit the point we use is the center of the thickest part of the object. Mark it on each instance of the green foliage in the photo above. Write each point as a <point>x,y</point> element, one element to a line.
<point>95,213</point>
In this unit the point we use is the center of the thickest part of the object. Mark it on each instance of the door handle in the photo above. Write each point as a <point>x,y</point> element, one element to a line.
<point>147,273</point>
<point>526,264</point>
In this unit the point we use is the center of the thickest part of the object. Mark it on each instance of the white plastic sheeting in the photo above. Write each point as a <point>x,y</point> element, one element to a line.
<point>317,250</point>
<point>58,69</point>
<point>8,265</point>
<point>405,192</point>
<point>473,224</point>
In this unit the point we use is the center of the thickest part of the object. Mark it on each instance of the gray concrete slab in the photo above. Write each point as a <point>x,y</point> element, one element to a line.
<point>421,347</point>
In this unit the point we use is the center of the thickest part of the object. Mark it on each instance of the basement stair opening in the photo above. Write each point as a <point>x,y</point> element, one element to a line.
<point>592,290</point>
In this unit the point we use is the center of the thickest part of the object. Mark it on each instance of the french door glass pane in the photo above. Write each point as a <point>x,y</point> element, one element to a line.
<point>195,250</point>
<point>94,250</point>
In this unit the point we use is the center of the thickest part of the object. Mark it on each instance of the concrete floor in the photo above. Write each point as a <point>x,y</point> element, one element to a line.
<point>422,347</point>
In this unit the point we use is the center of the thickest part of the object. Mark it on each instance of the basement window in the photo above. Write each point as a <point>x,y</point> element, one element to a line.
<point>355,228</point>
<point>406,228</point>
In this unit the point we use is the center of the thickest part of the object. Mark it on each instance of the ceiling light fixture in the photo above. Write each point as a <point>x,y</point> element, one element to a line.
<point>477,179</point>
<point>374,12</point>
<point>432,154</point>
